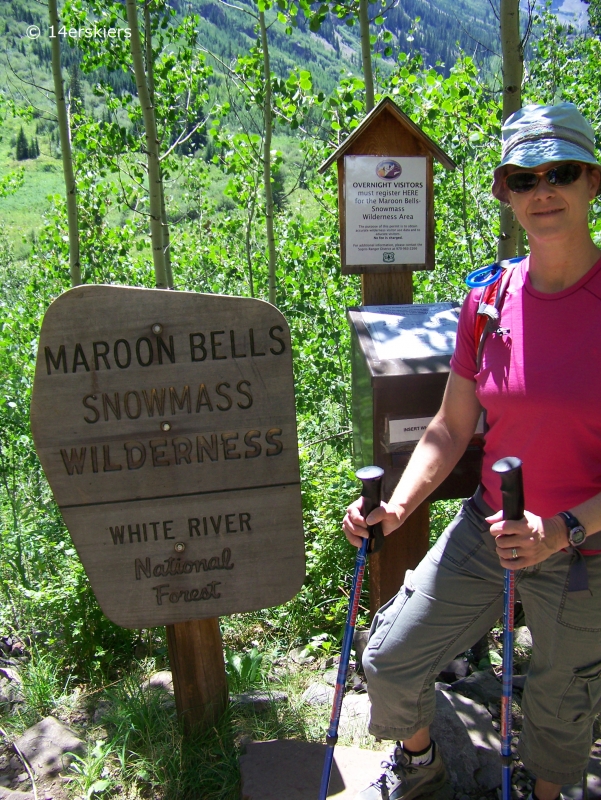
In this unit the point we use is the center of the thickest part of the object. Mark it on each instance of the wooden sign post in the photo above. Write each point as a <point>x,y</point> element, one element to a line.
<point>165,423</point>
<point>386,216</point>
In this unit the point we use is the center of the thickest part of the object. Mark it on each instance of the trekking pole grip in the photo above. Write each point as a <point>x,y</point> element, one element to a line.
<point>371,478</point>
<point>512,486</point>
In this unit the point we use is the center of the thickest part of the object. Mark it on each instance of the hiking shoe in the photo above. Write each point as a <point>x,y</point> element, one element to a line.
<point>402,780</point>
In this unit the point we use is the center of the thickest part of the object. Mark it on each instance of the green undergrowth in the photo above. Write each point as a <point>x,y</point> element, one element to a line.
<point>441,513</point>
<point>135,746</point>
<point>139,748</point>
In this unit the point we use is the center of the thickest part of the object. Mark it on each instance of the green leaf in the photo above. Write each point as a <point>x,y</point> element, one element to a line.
<point>305,81</point>
<point>98,787</point>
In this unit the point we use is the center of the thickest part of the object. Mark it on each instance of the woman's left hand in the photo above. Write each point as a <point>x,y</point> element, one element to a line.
<point>532,538</point>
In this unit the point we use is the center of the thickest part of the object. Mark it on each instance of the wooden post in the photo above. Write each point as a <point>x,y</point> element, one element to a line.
<point>377,288</point>
<point>198,669</point>
<point>386,279</point>
<point>404,548</point>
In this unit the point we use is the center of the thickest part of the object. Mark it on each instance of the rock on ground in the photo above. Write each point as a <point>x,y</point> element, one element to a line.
<point>11,673</point>
<point>9,794</point>
<point>161,680</point>
<point>458,668</point>
<point>317,694</point>
<point>483,687</point>
<point>522,637</point>
<point>259,699</point>
<point>458,752</point>
<point>484,738</point>
<point>10,686</point>
<point>360,639</point>
<point>9,692</point>
<point>46,745</point>
<point>292,769</point>
<point>296,655</point>
<point>354,715</point>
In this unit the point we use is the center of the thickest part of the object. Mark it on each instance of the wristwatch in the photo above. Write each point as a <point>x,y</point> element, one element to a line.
<point>576,531</point>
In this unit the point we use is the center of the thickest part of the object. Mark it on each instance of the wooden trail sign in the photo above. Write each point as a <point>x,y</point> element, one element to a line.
<point>165,423</point>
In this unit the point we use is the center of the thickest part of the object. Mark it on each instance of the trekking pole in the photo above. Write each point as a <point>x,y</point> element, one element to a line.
<point>371,478</point>
<point>512,489</point>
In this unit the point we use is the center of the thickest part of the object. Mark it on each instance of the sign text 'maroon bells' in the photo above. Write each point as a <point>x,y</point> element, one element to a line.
<point>167,401</point>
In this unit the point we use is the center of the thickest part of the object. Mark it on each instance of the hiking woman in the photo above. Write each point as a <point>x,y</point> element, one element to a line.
<point>539,382</point>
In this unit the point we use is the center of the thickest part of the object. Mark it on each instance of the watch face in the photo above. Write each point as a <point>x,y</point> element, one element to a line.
<point>576,536</point>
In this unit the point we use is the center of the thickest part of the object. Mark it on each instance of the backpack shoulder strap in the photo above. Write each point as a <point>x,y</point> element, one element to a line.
<point>488,315</point>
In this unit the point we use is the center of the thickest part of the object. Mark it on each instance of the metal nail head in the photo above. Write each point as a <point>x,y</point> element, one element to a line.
<point>179,547</point>
<point>165,426</point>
<point>157,328</point>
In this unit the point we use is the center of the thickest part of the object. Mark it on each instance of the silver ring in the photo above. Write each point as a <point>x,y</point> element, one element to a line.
<point>514,553</point>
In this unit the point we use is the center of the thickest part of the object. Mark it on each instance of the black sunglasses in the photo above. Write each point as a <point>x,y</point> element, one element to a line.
<point>563,175</point>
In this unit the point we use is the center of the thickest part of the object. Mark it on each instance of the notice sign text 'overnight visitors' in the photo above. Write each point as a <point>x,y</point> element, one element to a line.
<point>385,210</point>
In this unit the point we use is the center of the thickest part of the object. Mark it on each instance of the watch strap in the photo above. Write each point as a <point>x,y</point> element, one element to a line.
<point>573,525</point>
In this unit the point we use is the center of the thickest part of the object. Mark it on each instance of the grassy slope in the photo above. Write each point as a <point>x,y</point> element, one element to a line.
<point>21,213</point>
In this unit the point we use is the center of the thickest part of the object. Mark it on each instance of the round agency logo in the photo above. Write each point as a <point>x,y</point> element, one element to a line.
<point>388,169</point>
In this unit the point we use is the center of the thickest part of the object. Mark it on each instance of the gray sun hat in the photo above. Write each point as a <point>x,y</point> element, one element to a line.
<point>536,134</point>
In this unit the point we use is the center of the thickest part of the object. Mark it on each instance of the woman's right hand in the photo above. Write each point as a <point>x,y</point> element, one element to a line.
<point>355,526</point>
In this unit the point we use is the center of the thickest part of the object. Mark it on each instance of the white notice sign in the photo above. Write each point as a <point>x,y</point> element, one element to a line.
<point>385,206</point>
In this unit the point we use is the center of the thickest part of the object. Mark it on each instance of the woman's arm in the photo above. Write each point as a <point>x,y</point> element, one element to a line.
<point>435,455</point>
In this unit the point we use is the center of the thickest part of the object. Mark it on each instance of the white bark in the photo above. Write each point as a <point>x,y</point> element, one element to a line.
<point>267,160</point>
<point>513,73</point>
<point>65,141</point>
<point>150,79</point>
<point>152,148</point>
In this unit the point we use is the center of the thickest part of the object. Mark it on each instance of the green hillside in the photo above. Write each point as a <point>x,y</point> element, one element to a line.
<point>443,26</point>
<point>25,73</point>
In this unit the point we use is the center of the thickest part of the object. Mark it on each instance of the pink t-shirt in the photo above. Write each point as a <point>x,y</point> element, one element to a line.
<point>541,388</point>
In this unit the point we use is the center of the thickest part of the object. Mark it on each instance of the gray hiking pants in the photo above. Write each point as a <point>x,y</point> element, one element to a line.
<point>450,601</point>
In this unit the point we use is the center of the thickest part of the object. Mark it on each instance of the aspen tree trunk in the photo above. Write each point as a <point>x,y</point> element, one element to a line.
<point>267,159</point>
<point>152,148</point>
<point>513,73</point>
<point>247,242</point>
<point>368,75</point>
<point>166,236</point>
<point>65,142</point>
<point>150,78</point>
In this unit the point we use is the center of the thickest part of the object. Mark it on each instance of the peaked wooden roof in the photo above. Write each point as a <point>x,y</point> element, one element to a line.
<point>386,104</point>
